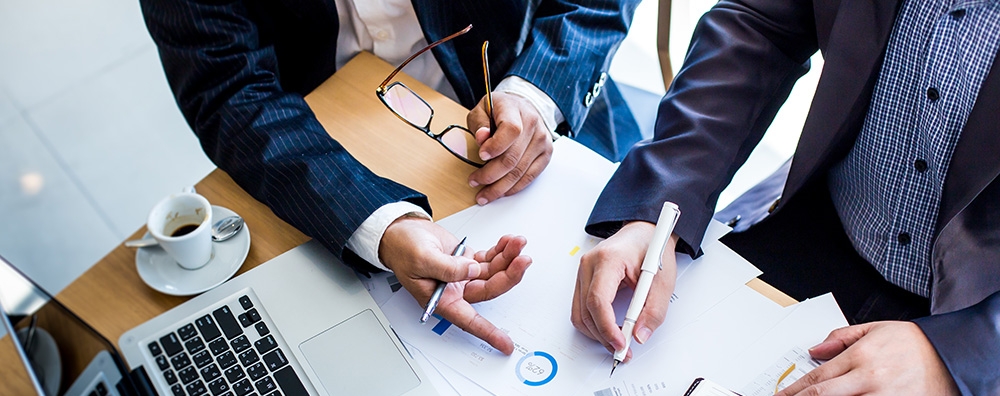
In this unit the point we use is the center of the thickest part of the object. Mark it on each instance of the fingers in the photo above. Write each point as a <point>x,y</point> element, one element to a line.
<point>500,283</point>
<point>509,114</point>
<point>838,341</point>
<point>505,269</point>
<point>448,268</point>
<point>603,289</point>
<point>518,152</point>
<point>461,314</point>
<point>850,383</point>
<point>655,309</point>
<point>814,379</point>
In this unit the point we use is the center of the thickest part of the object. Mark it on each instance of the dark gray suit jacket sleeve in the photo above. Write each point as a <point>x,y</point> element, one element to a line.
<point>743,60</point>
<point>968,341</point>
<point>226,83</point>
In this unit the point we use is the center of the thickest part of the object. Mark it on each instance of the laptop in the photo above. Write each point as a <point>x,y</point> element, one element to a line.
<point>299,324</point>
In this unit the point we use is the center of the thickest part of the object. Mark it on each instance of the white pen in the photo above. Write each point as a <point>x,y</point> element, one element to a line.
<point>651,264</point>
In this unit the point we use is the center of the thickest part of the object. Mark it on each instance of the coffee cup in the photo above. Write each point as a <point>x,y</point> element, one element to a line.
<point>182,224</point>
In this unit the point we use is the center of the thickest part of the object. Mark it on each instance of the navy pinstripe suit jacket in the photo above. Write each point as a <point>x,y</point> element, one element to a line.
<point>239,70</point>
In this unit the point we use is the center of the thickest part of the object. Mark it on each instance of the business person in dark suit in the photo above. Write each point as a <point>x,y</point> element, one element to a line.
<point>239,71</point>
<point>892,200</point>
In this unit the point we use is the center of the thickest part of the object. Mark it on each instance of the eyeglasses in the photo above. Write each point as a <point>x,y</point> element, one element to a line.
<point>414,110</point>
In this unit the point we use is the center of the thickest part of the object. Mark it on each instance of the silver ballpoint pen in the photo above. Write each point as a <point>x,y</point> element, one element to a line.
<point>439,290</point>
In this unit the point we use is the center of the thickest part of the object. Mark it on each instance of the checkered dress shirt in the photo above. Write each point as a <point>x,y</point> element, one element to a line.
<point>888,188</point>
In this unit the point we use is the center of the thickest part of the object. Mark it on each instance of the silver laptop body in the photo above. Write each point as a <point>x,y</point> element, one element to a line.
<point>301,323</point>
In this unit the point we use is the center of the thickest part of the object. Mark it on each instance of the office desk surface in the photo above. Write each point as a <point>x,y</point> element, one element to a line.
<point>111,296</point>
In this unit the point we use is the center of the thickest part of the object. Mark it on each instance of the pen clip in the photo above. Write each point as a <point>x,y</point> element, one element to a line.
<point>662,250</point>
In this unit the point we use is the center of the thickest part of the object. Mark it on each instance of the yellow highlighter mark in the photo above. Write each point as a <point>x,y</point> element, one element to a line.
<point>575,249</point>
<point>783,376</point>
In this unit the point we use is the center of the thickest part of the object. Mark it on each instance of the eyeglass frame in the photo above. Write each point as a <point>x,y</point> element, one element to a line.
<point>383,88</point>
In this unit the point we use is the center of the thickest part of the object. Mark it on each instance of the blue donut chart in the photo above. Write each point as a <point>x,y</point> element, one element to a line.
<point>544,381</point>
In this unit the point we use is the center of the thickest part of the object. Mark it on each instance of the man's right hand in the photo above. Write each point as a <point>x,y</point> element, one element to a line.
<point>614,263</point>
<point>418,252</point>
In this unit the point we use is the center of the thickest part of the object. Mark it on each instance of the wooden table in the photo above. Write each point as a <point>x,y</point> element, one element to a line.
<point>112,298</point>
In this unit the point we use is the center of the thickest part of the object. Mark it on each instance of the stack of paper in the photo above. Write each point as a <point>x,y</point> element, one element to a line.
<point>712,320</point>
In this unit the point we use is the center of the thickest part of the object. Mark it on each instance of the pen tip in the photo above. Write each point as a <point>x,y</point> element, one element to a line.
<point>423,318</point>
<point>613,367</point>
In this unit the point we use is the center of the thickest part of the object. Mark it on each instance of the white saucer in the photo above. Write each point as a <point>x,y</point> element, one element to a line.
<point>164,275</point>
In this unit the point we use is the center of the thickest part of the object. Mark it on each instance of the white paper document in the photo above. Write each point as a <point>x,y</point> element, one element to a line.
<point>551,356</point>
<point>738,344</point>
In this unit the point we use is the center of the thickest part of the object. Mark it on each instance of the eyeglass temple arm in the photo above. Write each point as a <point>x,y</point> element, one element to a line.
<point>489,88</point>
<point>381,87</point>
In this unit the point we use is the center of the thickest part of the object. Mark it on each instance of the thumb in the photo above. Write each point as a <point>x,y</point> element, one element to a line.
<point>451,268</point>
<point>655,310</point>
<point>839,340</point>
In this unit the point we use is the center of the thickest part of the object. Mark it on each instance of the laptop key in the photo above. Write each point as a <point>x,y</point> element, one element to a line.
<point>253,315</point>
<point>234,373</point>
<point>154,349</point>
<point>170,377</point>
<point>177,390</point>
<point>210,373</point>
<point>275,360</point>
<point>243,387</point>
<point>171,344</point>
<point>245,320</point>
<point>249,357</point>
<point>290,382</point>
<point>201,359</point>
<point>187,331</point>
<point>227,321</point>
<point>189,374</point>
<point>226,359</point>
<point>265,344</point>
<point>218,386</point>
<point>194,345</point>
<point>196,388</point>
<point>240,343</point>
<point>218,346</point>
<point>161,362</point>
<point>256,371</point>
<point>265,385</point>
<point>206,325</point>
<point>180,361</point>
<point>262,329</point>
<point>246,303</point>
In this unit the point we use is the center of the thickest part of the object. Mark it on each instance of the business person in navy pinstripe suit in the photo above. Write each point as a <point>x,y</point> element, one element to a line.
<point>239,71</point>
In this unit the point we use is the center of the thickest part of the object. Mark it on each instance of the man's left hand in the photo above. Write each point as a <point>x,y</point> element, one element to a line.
<point>892,358</point>
<point>517,152</point>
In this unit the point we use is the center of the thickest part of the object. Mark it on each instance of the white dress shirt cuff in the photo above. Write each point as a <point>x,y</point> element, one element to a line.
<point>366,239</point>
<point>547,108</point>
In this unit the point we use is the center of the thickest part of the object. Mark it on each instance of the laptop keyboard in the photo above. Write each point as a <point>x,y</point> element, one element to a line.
<point>228,352</point>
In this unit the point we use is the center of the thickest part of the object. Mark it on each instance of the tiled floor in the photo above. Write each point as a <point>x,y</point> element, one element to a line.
<point>90,137</point>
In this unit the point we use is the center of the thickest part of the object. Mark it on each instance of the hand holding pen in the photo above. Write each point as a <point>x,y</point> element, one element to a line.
<point>417,250</point>
<point>651,264</point>
<point>439,289</point>
<point>615,263</point>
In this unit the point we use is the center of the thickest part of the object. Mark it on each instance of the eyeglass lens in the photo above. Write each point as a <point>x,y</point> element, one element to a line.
<point>462,143</point>
<point>408,105</point>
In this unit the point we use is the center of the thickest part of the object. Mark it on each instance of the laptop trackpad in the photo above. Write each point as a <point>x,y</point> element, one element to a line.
<point>356,356</point>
